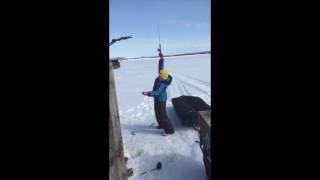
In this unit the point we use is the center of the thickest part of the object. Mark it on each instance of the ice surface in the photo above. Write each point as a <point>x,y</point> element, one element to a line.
<point>180,155</point>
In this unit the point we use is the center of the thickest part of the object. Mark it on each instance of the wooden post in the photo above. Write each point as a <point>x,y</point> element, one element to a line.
<point>115,64</point>
<point>204,123</point>
<point>117,167</point>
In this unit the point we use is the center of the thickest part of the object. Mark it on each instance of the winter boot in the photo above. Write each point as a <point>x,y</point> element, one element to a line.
<point>164,133</point>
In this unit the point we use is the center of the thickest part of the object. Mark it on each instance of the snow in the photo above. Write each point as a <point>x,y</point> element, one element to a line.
<point>180,154</point>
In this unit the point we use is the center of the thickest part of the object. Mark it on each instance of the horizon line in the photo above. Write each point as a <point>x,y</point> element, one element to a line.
<point>180,54</point>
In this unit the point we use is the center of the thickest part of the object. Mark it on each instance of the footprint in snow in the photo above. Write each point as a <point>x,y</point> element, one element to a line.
<point>171,158</point>
<point>135,153</point>
<point>147,108</point>
<point>139,114</point>
<point>130,110</point>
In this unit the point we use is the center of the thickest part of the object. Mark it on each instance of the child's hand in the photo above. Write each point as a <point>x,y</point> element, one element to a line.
<point>145,93</point>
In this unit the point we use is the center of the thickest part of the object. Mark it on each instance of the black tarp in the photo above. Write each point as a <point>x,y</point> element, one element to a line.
<point>187,107</point>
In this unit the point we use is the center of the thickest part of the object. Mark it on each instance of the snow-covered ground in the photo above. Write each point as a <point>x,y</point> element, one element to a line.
<point>180,154</point>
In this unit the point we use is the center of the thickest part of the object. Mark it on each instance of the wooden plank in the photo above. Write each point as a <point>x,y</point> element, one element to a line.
<point>117,167</point>
<point>205,118</point>
<point>204,122</point>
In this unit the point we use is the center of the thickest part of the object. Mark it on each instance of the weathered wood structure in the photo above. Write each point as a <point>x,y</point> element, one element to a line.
<point>117,167</point>
<point>204,124</point>
<point>117,161</point>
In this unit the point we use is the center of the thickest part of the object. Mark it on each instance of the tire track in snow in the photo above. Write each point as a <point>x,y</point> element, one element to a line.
<point>205,83</point>
<point>192,86</point>
<point>178,92</point>
<point>175,89</point>
<point>183,87</point>
<point>179,87</point>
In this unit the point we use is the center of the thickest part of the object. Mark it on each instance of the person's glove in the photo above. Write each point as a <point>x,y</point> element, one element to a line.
<point>160,54</point>
<point>145,93</point>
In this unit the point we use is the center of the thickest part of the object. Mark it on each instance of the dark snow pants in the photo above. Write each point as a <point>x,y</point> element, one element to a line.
<point>161,116</point>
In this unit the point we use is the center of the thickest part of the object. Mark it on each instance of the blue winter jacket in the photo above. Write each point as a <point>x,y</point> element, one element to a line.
<point>159,89</point>
<point>160,86</point>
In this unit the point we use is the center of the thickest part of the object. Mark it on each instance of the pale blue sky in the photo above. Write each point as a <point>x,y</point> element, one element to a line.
<point>185,26</point>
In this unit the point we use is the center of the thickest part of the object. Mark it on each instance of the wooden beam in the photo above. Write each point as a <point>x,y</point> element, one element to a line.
<point>117,167</point>
<point>204,123</point>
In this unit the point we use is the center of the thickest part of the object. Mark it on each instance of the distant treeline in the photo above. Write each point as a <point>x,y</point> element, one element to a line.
<point>184,54</point>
